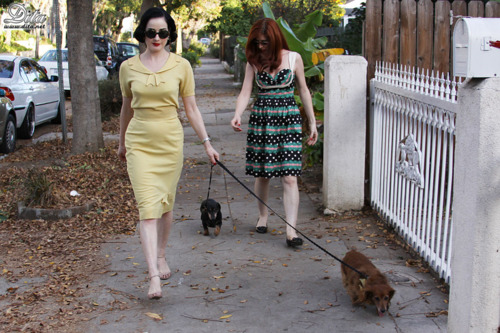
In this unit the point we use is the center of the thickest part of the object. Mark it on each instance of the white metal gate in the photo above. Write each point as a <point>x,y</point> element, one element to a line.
<point>412,155</point>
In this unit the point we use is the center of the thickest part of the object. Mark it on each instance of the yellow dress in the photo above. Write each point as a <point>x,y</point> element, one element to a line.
<point>154,138</point>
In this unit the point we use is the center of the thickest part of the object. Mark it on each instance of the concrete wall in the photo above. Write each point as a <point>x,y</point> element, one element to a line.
<point>345,132</point>
<point>475,255</point>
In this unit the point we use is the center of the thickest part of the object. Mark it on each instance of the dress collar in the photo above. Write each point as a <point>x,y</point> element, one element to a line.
<point>154,78</point>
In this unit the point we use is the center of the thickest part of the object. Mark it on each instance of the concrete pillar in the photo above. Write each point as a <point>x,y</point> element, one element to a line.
<point>475,255</point>
<point>345,132</point>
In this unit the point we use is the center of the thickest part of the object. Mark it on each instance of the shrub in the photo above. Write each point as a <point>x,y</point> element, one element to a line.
<point>214,51</point>
<point>110,97</point>
<point>38,189</point>
<point>313,155</point>
<point>192,57</point>
<point>198,47</point>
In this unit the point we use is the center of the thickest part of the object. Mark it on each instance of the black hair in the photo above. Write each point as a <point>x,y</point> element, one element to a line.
<point>155,12</point>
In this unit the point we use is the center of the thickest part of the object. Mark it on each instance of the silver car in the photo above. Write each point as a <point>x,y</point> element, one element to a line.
<point>7,125</point>
<point>34,95</point>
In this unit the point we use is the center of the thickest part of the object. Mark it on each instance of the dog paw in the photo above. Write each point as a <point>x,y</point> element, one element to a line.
<point>217,231</point>
<point>206,232</point>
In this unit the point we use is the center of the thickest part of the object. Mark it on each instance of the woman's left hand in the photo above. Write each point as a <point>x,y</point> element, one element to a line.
<point>313,137</point>
<point>213,155</point>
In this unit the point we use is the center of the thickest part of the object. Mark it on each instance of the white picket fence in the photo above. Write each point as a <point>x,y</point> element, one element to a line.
<point>413,142</point>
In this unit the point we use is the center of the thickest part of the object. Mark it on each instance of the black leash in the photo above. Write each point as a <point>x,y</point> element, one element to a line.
<point>363,275</point>
<point>210,182</point>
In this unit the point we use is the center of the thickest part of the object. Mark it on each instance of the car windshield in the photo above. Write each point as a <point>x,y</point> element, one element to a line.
<point>52,56</point>
<point>100,44</point>
<point>128,50</point>
<point>6,69</point>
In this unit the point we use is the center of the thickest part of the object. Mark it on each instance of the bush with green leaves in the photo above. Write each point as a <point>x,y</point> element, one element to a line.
<point>110,97</point>
<point>198,47</point>
<point>214,51</point>
<point>13,47</point>
<point>192,57</point>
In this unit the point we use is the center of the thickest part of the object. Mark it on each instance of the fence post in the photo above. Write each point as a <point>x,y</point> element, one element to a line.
<point>345,132</point>
<point>475,256</point>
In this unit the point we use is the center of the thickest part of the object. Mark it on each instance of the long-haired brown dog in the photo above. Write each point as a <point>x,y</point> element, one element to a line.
<point>373,290</point>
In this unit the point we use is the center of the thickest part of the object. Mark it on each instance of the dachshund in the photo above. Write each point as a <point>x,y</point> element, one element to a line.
<point>374,289</point>
<point>211,216</point>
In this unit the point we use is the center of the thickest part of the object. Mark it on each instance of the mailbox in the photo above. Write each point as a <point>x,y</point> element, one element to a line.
<point>476,47</point>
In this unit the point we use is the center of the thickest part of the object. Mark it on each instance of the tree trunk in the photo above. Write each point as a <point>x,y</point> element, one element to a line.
<point>87,128</point>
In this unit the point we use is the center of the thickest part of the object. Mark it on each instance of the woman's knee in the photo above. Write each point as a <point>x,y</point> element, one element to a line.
<point>289,181</point>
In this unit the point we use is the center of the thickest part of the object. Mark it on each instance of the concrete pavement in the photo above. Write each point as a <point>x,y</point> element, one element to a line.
<point>242,281</point>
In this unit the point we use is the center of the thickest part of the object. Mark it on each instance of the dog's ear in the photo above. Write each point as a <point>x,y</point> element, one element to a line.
<point>203,206</point>
<point>391,293</point>
<point>368,294</point>
<point>218,206</point>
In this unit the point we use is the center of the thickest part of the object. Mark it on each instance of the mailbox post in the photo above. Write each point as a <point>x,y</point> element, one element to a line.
<point>475,257</point>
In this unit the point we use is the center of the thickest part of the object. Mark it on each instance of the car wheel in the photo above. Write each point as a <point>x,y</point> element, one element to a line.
<point>28,127</point>
<point>9,136</point>
<point>58,118</point>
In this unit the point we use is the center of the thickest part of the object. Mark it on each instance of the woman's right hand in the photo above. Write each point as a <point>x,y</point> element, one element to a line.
<point>236,123</point>
<point>122,151</point>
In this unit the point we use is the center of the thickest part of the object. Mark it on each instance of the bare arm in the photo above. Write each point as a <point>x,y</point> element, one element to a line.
<point>305,97</point>
<point>126,114</point>
<point>243,98</point>
<point>195,119</point>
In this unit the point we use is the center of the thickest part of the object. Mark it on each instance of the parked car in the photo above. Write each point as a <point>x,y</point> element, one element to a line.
<point>107,51</point>
<point>49,61</point>
<point>127,50</point>
<point>205,40</point>
<point>34,96</point>
<point>7,124</point>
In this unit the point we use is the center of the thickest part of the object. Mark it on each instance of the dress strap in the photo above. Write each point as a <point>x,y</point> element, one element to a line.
<point>291,60</point>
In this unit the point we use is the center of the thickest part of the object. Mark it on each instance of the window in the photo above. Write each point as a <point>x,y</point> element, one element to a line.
<point>42,76</point>
<point>28,71</point>
<point>6,69</point>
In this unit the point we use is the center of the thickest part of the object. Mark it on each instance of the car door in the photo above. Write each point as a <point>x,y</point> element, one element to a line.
<point>24,88</point>
<point>47,96</point>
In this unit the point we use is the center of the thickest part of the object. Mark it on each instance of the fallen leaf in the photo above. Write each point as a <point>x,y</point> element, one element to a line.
<point>226,316</point>
<point>155,316</point>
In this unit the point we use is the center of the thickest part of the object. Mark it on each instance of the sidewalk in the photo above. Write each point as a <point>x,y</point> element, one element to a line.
<point>242,281</point>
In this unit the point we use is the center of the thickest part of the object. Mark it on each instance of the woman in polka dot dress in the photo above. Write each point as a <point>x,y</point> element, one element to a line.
<point>274,139</point>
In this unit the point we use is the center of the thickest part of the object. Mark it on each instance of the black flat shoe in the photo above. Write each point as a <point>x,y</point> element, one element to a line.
<point>294,242</point>
<point>261,230</point>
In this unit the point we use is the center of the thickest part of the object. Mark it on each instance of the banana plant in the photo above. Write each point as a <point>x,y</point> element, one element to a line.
<point>301,41</point>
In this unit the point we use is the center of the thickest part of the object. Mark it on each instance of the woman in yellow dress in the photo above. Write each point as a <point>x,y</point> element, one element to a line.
<point>152,137</point>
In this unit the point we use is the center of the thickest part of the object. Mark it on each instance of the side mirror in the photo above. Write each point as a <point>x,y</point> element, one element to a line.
<point>54,78</point>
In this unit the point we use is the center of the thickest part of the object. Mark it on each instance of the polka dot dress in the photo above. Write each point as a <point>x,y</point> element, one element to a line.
<point>274,141</point>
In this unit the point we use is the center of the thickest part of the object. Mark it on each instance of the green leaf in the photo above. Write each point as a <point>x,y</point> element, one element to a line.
<point>268,13</point>
<point>308,28</point>
<point>311,71</point>
<point>318,101</point>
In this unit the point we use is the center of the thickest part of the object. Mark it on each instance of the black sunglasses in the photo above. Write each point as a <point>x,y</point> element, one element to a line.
<point>162,33</point>
<point>261,42</point>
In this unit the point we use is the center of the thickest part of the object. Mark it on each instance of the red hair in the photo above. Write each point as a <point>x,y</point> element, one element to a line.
<point>270,58</point>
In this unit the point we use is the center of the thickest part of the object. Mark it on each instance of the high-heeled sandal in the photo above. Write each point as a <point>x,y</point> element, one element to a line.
<point>163,275</point>
<point>262,229</point>
<point>294,242</point>
<point>156,295</point>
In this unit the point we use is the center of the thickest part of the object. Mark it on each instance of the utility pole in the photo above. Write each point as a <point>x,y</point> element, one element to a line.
<point>62,98</point>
